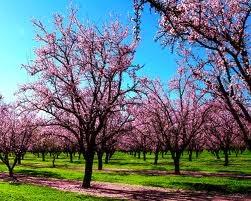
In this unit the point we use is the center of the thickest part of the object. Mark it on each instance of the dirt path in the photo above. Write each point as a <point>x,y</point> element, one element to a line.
<point>128,192</point>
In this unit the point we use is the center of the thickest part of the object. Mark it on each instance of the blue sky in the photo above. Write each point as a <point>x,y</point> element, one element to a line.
<point>17,36</point>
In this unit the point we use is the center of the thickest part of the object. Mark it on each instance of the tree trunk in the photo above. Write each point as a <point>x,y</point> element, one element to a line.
<point>144,155</point>
<point>106,157</point>
<point>10,171</point>
<point>197,154</point>
<point>71,157</point>
<point>176,160</point>
<point>100,160</point>
<point>89,156</point>
<point>226,162</point>
<point>43,156</point>
<point>156,157</point>
<point>19,161</point>
<point>139,154</point>
<point>190,155</point>
<point>53,161</point>
<point>217,154</point>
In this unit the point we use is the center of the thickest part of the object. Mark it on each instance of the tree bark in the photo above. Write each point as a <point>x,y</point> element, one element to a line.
<point>10,172</point>
<point>176,161</point>
<point>71,157</point>
<point>226,162</point>
<point>89,156</point>
<point>43,156</point>
<point>197,154</point>
<point>156,157</point>
<point>53,161</point>
<point>144,155</point>
<point>19,161</point>
<point>100,159</point>
<point>190,155</point>
<point>106,157</point>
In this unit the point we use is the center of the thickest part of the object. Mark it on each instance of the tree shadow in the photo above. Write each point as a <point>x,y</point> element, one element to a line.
<point>219,188</point>
<point>232,171</point>
<point>41,173</point>
<point>156,195</point>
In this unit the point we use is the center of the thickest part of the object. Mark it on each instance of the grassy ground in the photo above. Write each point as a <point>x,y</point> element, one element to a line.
<point>137,171</point>
<point>22,192</point>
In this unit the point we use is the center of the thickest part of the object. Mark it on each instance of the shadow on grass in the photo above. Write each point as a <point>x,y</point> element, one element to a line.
<point>232,171</point>
<point>115,163</point>
<point>219,188</point>
<point>77,162</point>
<point>40,173</point>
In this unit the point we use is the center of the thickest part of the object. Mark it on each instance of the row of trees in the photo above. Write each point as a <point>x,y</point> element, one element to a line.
<point>86,88</point>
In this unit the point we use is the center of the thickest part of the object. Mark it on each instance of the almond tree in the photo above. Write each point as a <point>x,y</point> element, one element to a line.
<point>81,75</point>
<point>178,113</point>
<point>115,127</point>
<point>221,130</point>
<point>16,130</point>
<point>214,37</point>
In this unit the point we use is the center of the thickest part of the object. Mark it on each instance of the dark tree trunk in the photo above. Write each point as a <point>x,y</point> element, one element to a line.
<point>190,155</point>
<point>248,144</point>
<point>177,166</point>
<point>135,154</point>
<point>197,154</point>
<point>111,154</point>
<point>43,156</point>
<point>226,162</point>
<point>11,167</point>
<point>156,157</point>
<point>79,156</point>
<point>100,160</point>
<point>176,160</point>
<point>19,161</point>
<point>217,154</point>
<point>144,155</point>
<point>53,161</point>
<point>71,157</point>
<point>11,172</point>
<point>162,154</point>
<point>89,156</point>
<point>106,157</point>
<point>139,154</point>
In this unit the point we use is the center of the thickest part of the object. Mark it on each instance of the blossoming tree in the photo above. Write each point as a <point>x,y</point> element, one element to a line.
<point>83,76</point>
<point>214,38</point>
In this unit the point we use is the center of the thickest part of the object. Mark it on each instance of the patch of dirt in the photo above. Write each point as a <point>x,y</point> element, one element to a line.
<point>125,191</point>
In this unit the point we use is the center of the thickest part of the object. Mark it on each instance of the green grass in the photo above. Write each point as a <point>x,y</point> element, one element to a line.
<point>134,171</point>
<point>23,192</point>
